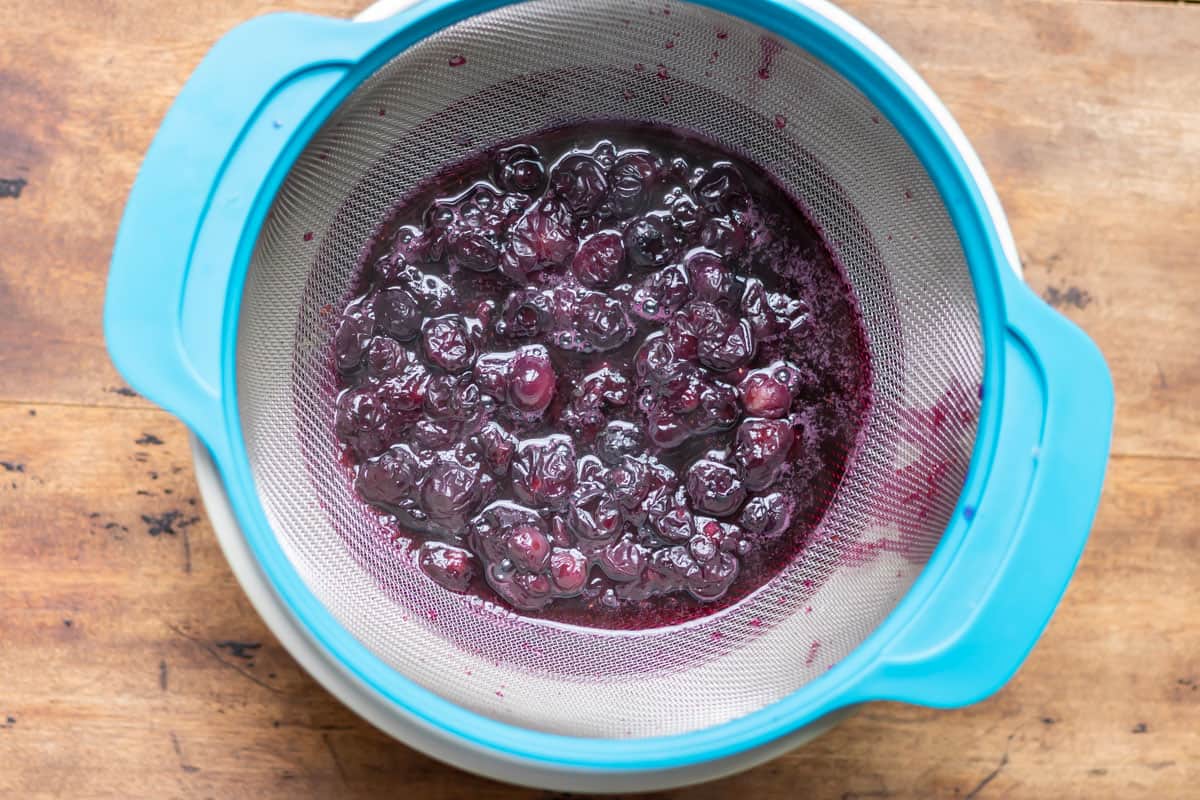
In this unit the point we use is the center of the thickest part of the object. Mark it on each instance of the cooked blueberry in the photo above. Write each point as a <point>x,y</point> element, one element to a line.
<point>605,386</point>
<point>540,239</point>
<point>404,393</point>
<point>396,313</point>
<point>362,421</point>
<point>568,571</point>
<point>580,183</point>
<point>714,578</point>
<point>725,237</point>
<point>623,560</point>
<point>676,525</point>
<point>709,278</point>
<point>388,479</point>
<point>454,397</point>
<point>702,547</point>
<point>715,488</point>
<point>473,250</point>
<point>519,169</point>
<point>619,439</point>
<point>762,450</point>
<point>452,491</point>
<point>661,294</point>
<point>721,188</point>
<point>522,590</point>
<point>650,241</point>
<point>727,350</point>
<point>351,339</point>
<point>450,566</point>
<point>594,514</point>
<point>531,383</point>
<point>600,260</point>
<point>413,246</point>
<point>768,515</point>
<point>386,358</point>
<point>765,395</point>
<point>495,446</point>
<point>525,313</point>
<point>529,548</point>
<point>432,292</point>
<point>544,471</point>
<point>601,323</point>
<point>447,343</point>
<point>632,177</point>
<point>432,435</point>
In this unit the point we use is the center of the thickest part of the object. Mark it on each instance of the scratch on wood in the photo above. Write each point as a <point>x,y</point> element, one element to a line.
<point>227,664</point>
<point>1162,377</point>
<point>162,675</point>
<point>991,776</point>
<point>337,762</point>
<point>183,765</point>
<point>187,553</point>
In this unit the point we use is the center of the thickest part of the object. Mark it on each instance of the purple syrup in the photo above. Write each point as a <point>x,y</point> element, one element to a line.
<point>608,375</point>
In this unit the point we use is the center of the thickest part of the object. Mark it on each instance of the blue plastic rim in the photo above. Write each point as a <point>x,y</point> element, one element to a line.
<point>971,617</point>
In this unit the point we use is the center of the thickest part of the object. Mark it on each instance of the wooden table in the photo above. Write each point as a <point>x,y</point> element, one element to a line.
<point>131,664</point>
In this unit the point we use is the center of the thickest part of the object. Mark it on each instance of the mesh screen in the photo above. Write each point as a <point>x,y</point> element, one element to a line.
<point>548,62</point>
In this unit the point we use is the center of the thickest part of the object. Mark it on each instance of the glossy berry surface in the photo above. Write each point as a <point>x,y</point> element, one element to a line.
<point>607,376</point>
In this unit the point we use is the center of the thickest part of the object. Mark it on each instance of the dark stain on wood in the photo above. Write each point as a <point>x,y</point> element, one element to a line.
<point>242,650</point>
<point>12,466</point>
<point>124,391</point>
<point>1067,297</point>
<point>169,524</point>
<point>1141,727</point>
<point>11,187</point>
<point>148,439</point>
<point>162,674</point>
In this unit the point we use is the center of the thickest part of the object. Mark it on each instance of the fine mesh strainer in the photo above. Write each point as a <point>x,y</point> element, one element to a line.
<point>948,541</point>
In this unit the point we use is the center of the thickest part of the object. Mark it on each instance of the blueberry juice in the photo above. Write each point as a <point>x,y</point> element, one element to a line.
<point>607,375</point>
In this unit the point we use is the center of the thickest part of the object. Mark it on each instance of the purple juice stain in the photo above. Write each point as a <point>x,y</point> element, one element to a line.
<point>768,49</point>
<point>606,375</point>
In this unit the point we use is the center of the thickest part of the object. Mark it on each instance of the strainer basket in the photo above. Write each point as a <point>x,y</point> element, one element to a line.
<point>948,542</point>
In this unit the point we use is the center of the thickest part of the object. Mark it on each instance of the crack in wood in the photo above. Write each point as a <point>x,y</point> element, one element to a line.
<point>183,765</point>
<point>217,655</point>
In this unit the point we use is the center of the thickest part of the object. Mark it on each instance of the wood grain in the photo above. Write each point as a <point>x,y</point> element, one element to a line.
<point>131,664</point>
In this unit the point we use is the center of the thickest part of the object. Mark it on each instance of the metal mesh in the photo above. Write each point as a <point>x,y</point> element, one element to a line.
<point>544,63</point>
